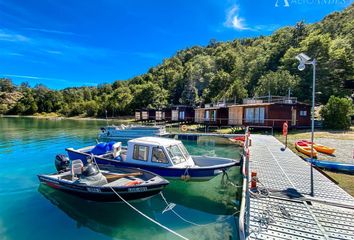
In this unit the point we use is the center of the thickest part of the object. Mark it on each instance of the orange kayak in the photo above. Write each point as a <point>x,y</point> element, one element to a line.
<point>320,148</point>
<point>305,148</point>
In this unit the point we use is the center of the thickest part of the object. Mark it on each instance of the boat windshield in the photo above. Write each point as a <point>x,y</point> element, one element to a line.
<point>176,154</point>
<point>184,150</point>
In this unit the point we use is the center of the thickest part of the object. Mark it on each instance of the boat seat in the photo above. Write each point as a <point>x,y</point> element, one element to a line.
<point>76,168</point>
<point>118,182</point>
<point>117,147</point>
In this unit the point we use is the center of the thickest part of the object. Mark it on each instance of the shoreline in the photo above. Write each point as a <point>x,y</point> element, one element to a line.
<point>56,117</point>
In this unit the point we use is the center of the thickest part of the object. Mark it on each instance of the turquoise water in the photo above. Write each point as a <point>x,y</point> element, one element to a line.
<point>30,211</point>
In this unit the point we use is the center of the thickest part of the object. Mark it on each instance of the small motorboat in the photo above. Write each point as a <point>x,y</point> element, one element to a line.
<point>163,156</point>
<point>332,166</point>
<point>320,148</point>
<point>131,131</point>
<point>240,140</point>
<point>102,183</point>
<point>305,148</point>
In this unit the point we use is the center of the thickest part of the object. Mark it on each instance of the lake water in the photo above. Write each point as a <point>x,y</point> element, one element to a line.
<point>30,211</point>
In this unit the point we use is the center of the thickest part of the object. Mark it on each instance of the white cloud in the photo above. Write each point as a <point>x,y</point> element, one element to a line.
<point>8,36</point>
<point>233,20</point>
<point>34,77</point>
<point>44,30</point>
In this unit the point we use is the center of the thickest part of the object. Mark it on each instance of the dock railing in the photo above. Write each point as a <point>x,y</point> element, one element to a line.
<point>244,208</point>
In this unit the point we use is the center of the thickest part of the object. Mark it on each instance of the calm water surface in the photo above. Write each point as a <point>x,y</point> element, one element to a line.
<point>30,211</point>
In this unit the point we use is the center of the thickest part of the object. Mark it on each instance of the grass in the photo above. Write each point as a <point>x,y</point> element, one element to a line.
<point>345,181</point>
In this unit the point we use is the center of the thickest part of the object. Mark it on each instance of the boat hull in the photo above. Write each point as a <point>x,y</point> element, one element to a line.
<point>333,166</point>
<point>320,148</point>
<point>306,150</point>
<point>192,173</point>
<point>103,194</point>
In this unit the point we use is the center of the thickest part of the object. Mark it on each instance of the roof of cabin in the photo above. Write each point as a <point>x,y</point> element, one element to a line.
<point>155,140</point>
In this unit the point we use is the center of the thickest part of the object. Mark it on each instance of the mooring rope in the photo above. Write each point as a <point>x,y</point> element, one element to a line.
<point>149,218</point>
<point>193,223</point>
<point>223,182</point>
<point>266,217</point>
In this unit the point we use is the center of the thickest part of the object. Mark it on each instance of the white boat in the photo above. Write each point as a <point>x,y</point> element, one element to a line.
<point>163,156</point>
<point>131,131</point>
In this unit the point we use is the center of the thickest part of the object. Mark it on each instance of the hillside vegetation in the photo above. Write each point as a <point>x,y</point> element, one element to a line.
<point>233,69</point>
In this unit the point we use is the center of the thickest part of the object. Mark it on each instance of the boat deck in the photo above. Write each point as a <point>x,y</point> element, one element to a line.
<point>289,212</point>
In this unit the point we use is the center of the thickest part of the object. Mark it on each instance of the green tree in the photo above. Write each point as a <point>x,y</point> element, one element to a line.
<point>277,83</point>
<point>6,85</point>
<point>336,113</point>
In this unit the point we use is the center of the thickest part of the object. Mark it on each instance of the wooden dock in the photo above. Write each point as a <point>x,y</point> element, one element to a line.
<point>283,207</point>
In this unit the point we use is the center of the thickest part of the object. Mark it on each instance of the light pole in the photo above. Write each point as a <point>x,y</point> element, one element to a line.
<point>303,61</point>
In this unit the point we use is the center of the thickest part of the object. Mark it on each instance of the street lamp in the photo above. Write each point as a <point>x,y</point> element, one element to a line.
<point>303,61</point>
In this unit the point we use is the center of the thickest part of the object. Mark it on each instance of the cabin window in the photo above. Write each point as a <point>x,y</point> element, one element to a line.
<point>181,115</point>
<point>175,154</point>
<point>174,115</point>
<point>158,155</point>
<point>255,115</point>
<point>144,115</point>
<point>213,115</point>
<point>137,115</point>
<point>206,115</point>
<point>303,113</point>
<point>158,115</point>
<point>141,152</point>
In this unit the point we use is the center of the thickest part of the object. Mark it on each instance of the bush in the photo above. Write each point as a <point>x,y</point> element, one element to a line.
<point>336,113</point>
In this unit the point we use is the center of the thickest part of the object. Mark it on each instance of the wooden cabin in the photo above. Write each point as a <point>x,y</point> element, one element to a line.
<point>296,114</point>
<point>212,115</point>
<point>182,113</point>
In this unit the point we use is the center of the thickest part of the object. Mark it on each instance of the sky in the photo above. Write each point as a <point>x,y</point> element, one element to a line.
<point>64,43</point>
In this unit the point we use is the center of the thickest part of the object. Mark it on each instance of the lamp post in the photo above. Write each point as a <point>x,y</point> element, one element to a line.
<point>303,61</point>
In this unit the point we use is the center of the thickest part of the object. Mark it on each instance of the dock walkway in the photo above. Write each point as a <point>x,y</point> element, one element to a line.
<point>288,211</point>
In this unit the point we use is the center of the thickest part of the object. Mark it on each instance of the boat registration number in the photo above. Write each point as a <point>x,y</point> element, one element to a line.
<point>92,189</point>
<point>139,189</point>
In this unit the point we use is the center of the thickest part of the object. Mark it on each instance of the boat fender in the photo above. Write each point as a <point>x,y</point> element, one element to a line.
<point>185,177</point>
<point>184,128</point>
<point>253,179</point>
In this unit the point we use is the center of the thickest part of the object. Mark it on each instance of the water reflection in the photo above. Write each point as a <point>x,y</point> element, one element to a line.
<point>118,221</point>
<point>28,147</point>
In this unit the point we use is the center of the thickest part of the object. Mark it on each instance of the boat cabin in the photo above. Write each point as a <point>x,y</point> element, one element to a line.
<point>154,151</point>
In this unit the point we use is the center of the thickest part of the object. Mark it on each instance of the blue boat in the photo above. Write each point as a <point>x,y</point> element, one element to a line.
<point>332,166</point>
<point>163,156</point>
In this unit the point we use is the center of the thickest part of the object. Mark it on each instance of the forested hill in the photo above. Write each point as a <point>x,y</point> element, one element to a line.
<point>238,68</point>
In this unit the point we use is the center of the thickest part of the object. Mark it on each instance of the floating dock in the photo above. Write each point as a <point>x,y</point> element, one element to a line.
<point>283,207</point>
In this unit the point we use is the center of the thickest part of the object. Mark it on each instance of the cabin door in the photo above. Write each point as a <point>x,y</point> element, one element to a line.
<point>293,117</point>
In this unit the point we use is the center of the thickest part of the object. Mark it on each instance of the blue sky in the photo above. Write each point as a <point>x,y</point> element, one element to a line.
<point>63,43</point>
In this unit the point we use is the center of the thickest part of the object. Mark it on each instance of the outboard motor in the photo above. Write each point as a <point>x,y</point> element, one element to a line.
<point>62,163</point>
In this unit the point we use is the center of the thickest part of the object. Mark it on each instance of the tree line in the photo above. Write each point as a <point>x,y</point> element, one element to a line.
<point>221,70</point>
